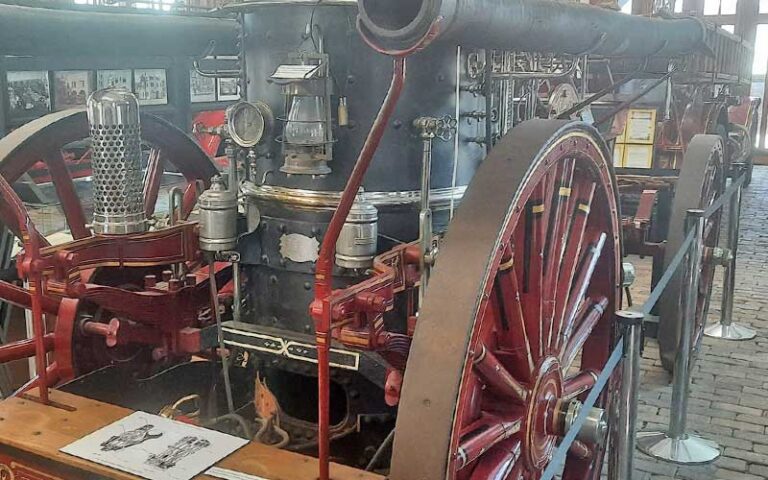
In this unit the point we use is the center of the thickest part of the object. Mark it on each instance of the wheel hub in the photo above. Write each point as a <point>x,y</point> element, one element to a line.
<point>550,417</point>
<point>540,425</point>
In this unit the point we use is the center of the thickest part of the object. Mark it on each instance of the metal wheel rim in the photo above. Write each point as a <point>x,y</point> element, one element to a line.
<point>701,182</point>
<point>435,397</point>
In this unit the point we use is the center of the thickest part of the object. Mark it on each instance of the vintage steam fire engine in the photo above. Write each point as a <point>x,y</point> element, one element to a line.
<point>413,219</point>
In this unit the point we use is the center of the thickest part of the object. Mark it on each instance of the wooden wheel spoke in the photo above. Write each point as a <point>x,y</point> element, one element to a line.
<point>508,297</point>
<point>501,463</point>
<point>580,285</point>
<point>481,436</point>
<point>190,199</point>
<point>575,385</point>
<point>574,344</point>
<point>153,178</point>
<point>65,189</point>
<point>558,222</point>
<point>497,376</point>
<point>580,450</point>
<point>536,224</point>
<point>571,255</point>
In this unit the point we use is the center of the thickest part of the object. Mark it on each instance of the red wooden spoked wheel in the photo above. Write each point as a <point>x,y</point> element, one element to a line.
<point>48,137</point>
<point>700,184</point>
<point>517,321</point>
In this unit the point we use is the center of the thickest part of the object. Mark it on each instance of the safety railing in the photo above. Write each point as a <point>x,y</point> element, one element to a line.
<point>676,444</point>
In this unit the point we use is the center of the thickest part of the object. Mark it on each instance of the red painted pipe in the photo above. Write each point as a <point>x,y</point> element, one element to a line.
<point>28,269</point>
<point>23,349</point>
<point>324,270</point>
<point>321,306</point>
<point>19,297</point>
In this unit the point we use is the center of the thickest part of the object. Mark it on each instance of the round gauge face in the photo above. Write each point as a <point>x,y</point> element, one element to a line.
<point>246,124</point>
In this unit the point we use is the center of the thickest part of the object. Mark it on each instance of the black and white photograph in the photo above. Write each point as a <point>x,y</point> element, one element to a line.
<point>151,86</point>
<point>114,78</point>
<point>71,89</point>
<point>228,89</point>
<point>201,89</point>
<point>29,94</point>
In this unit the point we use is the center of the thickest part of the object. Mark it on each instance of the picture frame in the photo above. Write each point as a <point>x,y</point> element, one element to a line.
<point>71,88</point>
<point>29,93</point>
<point>114,78</point>
<point>150,86</point>
<point>228,89</point>
<point>201,89</point>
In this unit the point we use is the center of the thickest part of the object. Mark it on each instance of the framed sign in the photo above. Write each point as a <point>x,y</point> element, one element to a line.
<point>201,89</point>
<point>114,78</point>
<point>151,86</point>
<point>29,94</point>
<point>228,89</point>
<point>71,88</point>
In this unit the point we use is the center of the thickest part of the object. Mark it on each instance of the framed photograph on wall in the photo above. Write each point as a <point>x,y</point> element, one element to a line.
<point>201,89</point>
<point>150,86</point>
<point>29,94</point>
<point>71,88</point>
<point>228,89</point>
<point>114,78</point>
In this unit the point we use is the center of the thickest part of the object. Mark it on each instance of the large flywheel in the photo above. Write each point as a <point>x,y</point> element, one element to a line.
<point>518,317</point>
<point>701,182</point>
<point>47,139</point>
<point>172,159</point>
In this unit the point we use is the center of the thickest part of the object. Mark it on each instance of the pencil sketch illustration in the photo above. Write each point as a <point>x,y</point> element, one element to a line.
<point>155,448</point>
<point>174,453</point>
<point>129,438</point>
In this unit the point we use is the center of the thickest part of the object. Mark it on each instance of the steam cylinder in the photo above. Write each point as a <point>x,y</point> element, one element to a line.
<point>118,183</point>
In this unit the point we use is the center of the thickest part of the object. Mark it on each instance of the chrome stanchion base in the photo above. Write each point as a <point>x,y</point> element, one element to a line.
<point>688,450</point>
<point>733,331</point>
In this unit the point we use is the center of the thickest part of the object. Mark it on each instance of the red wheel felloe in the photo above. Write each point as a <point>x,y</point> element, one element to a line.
<point>517,322</point>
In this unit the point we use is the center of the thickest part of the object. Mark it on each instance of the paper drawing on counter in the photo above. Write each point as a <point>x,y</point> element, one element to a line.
<point>171,456</point>
<point>154,447</point>
<point>130,438</point>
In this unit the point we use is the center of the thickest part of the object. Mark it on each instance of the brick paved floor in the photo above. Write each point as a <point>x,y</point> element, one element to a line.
<point>729,393</point>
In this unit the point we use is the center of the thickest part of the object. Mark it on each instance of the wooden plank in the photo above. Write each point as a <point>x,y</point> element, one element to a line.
<point>42,430</point>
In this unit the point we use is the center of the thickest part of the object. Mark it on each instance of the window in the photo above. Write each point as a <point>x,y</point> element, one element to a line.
<point>727,28</point>
<point>763,6</point>
<point>165,5</point>
<point>761,51</point>
<point>728,7</point>
<point>720,7</point>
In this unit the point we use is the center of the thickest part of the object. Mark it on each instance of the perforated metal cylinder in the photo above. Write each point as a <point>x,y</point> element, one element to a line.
<point>118,183</point>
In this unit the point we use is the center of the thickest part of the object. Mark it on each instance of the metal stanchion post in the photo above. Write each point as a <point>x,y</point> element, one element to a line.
<point>676,445</point>
<point>726,329</point>
<point>620,466</point>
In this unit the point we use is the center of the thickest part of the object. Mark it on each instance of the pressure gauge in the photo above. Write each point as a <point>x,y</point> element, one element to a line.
<point>248,123</point>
